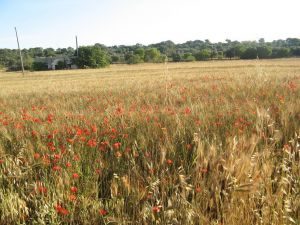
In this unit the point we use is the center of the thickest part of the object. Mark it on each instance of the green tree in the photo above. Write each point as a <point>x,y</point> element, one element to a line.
<point>141,53</point>
<point>250,53</point>
<point>133,58</point>
<point>188,57</point>
<point>176,57</point>
<point>39,66</point>
<point>264,52</point>
<point>92,56</point>
<point>152,55</point>
<point>229,53</point>
<point>280,52</point>
<point>295,51</point>
<point>203,55</point>
<point>49,52</point>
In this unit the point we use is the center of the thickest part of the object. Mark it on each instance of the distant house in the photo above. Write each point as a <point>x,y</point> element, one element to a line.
<point>57,62</point>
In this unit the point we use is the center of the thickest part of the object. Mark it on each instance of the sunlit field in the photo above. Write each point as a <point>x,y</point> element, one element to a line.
<point>181,143</point>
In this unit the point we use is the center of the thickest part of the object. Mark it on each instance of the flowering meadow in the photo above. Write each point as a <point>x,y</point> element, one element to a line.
<point>180,143</point>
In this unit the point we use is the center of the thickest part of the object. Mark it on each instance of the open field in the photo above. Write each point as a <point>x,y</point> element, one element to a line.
<point>182,143</point>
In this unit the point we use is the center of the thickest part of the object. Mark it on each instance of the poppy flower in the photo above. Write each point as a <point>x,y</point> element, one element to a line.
<point>36,155</point>
<point>198,189</point>
<point>59,209</point>
<point>169,162</point>
<point>94,128</point>
<point>156,209</point>
<point>56,168</point>
<point>34,133</point>
<point>75,176</point>
<point>73,189</point>
<point>92,143</point>
<point>103,212</point>
<point>79,132</point>
<point>42,190</point>
<point>187,110</point>
<point>117,145</point>
<point>72,198</point>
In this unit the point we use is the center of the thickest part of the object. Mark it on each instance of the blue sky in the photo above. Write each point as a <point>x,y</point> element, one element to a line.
<point>54,23</point>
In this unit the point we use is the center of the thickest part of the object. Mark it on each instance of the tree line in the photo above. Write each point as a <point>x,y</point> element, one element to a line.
<point>100,55</point>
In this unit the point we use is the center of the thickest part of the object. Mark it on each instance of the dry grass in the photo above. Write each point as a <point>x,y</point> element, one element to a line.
<point>187,143</point>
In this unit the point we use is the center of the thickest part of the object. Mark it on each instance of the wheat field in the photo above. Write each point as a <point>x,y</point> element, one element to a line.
<point>180,143</point>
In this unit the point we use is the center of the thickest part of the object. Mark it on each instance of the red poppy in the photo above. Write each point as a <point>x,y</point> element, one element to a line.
<point>42,190</point>
<point>34,133</point>
<point>117,145</point>
<point>198,189</point>
<point>73,189</point>
<point>36,156</point>
<point>50,118</point>
<point>56,156</point>
<point>76,158</point>
<point>113,130</point>
<point>75,176</point>
<point>189,146</point>
<point>94,128</point>
<point>79,132</point>
<point>156,209</point>
<point>72,198</point>
<point>92,143</point>
<point>169,162</point>
<point>103,212</point>
<point>187,110</point>
<point>59,209</point>
<point>70,140</point>
<point>56,168</point>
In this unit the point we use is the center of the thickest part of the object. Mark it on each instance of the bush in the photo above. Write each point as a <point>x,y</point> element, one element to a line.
<point>39,66</point>
<point>250,53</point>
<point>92,57</point>
<point>203,55</point>
<point>280,52</point>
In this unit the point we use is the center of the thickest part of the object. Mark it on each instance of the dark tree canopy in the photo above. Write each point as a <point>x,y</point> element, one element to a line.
<point>100,55</point>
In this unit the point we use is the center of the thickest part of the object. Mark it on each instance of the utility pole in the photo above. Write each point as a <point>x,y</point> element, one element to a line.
<point>76,46</point>
<point>22,65</point>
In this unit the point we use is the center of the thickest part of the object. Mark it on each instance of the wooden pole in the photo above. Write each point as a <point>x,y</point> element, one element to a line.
<point>76,46</point>
<point>21,58</point>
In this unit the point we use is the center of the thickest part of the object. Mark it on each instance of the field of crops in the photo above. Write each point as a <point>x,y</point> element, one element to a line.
<point>181,143</point>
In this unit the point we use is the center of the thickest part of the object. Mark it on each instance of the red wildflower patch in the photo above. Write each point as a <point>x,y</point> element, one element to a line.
<point>92,143</point>
<point>42,190</point>
<point>50,118</point>
<point>117,145</point>
<point>56,168</point>
<point>60,210</point>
